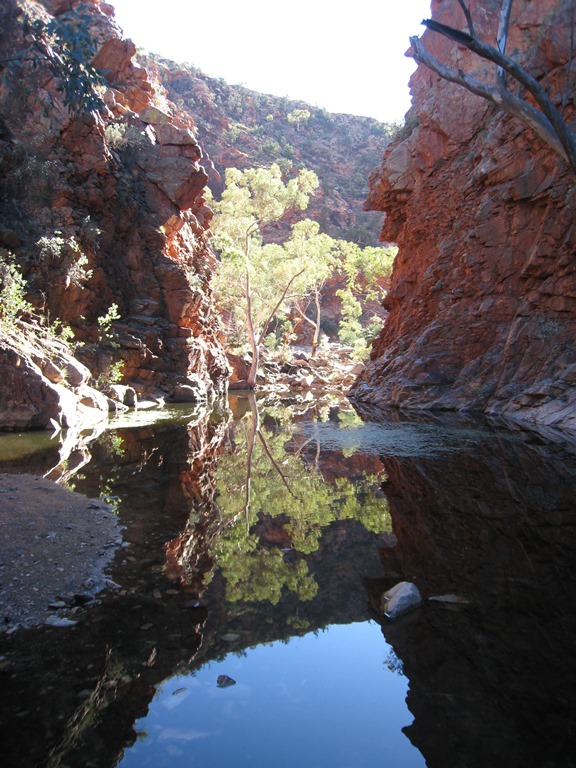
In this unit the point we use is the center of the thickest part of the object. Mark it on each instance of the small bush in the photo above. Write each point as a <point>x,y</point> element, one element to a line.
<point>12,290</point>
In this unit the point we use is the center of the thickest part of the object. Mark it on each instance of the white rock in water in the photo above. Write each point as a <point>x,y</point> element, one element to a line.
<point>400,599</point>
<point>58,621</point>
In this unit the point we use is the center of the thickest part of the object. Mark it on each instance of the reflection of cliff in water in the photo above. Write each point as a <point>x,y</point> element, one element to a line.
<point>71,696</point>
<point>489,518</point>
<point>492,682</point>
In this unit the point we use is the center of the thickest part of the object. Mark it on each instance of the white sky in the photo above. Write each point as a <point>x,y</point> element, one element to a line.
<point>343,56</point>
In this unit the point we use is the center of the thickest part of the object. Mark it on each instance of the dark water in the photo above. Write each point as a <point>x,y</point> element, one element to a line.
<point>256,552</point>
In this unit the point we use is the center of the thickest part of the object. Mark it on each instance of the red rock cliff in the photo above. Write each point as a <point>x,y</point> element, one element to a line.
<point>121,188</point>
<point>483,298</point>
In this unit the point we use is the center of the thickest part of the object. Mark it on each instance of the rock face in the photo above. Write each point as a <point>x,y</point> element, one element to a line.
<point>483,298</point>
<point>43,385</point>
<point>240,128</point>
<point>107,208</point>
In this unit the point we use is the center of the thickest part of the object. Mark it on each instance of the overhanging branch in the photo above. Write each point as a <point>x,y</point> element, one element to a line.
<point>546,122</point>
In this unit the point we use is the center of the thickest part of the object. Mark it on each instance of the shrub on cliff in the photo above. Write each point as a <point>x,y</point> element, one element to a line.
<point>12,291</point>
<point>65,47</point>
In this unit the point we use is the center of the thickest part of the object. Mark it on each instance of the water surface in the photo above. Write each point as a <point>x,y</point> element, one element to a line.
<point>323,699</point>
<point>258,545</point>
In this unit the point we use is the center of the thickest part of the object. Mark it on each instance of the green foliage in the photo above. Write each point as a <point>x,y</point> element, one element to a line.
<point>253,278</point>
<point>106,332</point>
<point>323,116</point>
<point>235,103</point>
<point>350,327</point>
<point>62,254</point>
<point>33,178</point>
<point>13,302</point>
<point>256,574</point>
<point>112,375</point>
<point>66,47</point>
<point>63,332</point>
<point>280,340</point>
<point>123,137</point>
<point>268,150</point>
<point>114,134</point>
<point>114,372</point>
<point>257,280</point>
<point>285,488</point>
<point>298,117</point>
<point>364,268</point>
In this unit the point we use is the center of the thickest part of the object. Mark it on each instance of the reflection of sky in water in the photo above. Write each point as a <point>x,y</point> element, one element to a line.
<point>325,700</point>
<point>393,439</point>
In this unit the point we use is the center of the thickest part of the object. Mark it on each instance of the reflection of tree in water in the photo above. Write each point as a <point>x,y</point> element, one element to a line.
<point>276,505</point>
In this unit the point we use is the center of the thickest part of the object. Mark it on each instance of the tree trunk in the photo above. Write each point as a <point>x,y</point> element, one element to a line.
<point>254,345</point>
<point>316,335</point>
<point>254,342</point>
<point>254,430</point>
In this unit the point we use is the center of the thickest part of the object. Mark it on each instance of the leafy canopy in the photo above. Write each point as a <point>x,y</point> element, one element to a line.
<point>258,280</point>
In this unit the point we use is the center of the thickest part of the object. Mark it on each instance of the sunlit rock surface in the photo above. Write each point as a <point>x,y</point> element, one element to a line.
<point>483,299</point>
<point>117,195</point>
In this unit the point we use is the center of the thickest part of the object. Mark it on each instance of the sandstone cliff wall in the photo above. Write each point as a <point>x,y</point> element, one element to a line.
<point>483,298</point>
<point>117,197</point>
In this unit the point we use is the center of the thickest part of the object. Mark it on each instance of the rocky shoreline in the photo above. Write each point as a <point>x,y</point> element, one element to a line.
<point>55,545</point>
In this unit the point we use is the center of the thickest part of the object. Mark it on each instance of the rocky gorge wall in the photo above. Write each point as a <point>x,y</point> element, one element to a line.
<point>106,208</point>
<point>483,298</point>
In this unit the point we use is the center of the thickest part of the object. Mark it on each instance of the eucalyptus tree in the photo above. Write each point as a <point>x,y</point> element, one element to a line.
<point>271,474</point>
<point>320,253</point>
<point>259,281</point>
<point>298,116</point>
<point>255,278</point>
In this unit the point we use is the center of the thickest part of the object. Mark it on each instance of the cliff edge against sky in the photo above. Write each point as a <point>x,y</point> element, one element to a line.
<point>483,298</point>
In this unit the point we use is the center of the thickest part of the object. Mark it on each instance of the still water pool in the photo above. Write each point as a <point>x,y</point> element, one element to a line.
<point>325,699</point>
<point>257,543</point>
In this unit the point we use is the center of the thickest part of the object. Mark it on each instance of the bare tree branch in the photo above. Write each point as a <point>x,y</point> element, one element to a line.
<point>468,17</point>
<point>502,38</point>
<point>278,305</point>
<point>276,466</point>
<point>547,123</point>
<point>504,100</point>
